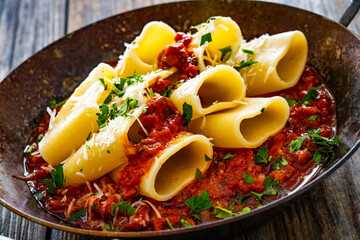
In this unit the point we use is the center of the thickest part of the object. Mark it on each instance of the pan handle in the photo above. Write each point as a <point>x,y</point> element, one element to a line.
<point>350,13</point>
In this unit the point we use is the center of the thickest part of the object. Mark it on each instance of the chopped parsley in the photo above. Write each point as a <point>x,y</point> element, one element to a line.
<point>296,144</point>
<point>248,178</point>
<point>167,92</point>
<point>187,113</point>
<point>168,222</point>
<point>87,147</point>
<point>93,206</point>
<point>185,223</point>
<point>262,110</point>
<point>205,38</point>
<point>198,173</point>
<point>39,137</point>
<point>57,181</point>
<point>278,163</point>
<point>103,83</point>
<point>88,137</point>
<point>151,92</point>
<point>113,207</point>
<point>311,95</point>
<point>291,101</point>
<point>207,158</point>
<point>107,226</point>
<point>245,64</point>
<point>248,51</point>
<point>245,210</point>
<point>77,215</point>
<point>39,195</point>
<point>130,210</point>
<point>260,157</point>
<point>312,118</point>
<point>120,85</point>
<point>223,213</point>
<point>198,204</point>
<point>31,148</point>
<point>227,157</point>
<point>108,151</point>
<point>225,53</point>
<point>54,104</point>
<point>115,92</point>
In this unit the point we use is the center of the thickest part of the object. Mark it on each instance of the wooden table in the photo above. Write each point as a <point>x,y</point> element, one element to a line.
<point>329,211</point>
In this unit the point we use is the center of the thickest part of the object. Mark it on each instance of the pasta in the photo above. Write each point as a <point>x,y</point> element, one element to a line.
<point>246,126</point>
<point>179,133</point>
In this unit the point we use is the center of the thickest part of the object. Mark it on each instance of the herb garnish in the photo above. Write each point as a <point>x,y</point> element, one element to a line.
<point>130,210</point>
<point>198,204</point>
<point>311,95</point>
<point>260,157</point>
<point>198,173</point>
<point>168,222</point>
<point>245,64</point>
<point>187,113</point>
<point>227,157</point>
<point>223,213</point>
<point>312,118</point>
<point>225,52</point>
<point>167,92</point>
<point>248,51</point>
<point>31,148</point>
<point>151,92</point>
<point>39,137</point>
<point>185,223</point>
<point>53,104</point>
<point>116,92</point>
<point>248,178</point>
<point>57,181</point>
<point>107,226</point>
<point>205,38</point>
<point>207,158</point>
<point>39,195</point>
<point>93,206</point>
<point>103,83</point>
<point>76,215</point>
<point>291,101</point>
<point>278,163</point>
<point>296,144</point>
<point>262,110</point>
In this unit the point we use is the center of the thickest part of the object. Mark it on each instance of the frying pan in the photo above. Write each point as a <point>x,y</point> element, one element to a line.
<point>60,67</point>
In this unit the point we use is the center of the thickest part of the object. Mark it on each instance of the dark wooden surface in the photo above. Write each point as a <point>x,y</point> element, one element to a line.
<point>329,211</point>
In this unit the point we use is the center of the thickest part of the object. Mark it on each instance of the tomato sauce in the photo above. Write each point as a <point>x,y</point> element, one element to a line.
<point>227,179</point>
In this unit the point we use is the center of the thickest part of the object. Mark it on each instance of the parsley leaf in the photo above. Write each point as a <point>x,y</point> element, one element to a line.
<point>151,92</point>
<point>278,163</point>
<point>187,113</point>
<point>205,38</point>
<point>198,173</point>
<point>107,226</point>
<point>312,118</point>
<point>103,83</point>
<point>207,158</point>
<point>130,210</point>
<point>168,222</point>
<point>245,210</point>
<point>93,206</point>
<point>248,178</point>
<point>120,85</point>
<point>311,95</point>
<point>260,157</point>
<point>262,110</point>
<point>167,92</point>
<point>225,52</point>
<point>31,148</point>
<point>38,139</point>
<point>57,181</point>
<point>39,195</point>
<point>88,137</point>
<point>227,157</point>
<point>296,144</point>
<point>291,101</point>
<point>198,204</point>
<point>245,64</point>
<point>77,215</point>
<point>248,51</point>
<point>185,223</point>
<point>223,213</point>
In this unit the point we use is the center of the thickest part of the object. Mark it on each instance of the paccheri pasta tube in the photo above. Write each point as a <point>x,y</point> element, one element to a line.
<point>175,167</point>
<point>77,118</point>
<point>216,89</point>
<point>141,55</point>
<point>216,41</point>
<point>280,60</point>
<point>102,153</point>
<point>246,126</point>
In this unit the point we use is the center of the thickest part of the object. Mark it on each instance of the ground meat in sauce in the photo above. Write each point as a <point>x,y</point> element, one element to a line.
<point>223,180</point>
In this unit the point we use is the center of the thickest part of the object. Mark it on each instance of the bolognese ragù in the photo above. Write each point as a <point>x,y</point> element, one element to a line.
<point>183,130</point>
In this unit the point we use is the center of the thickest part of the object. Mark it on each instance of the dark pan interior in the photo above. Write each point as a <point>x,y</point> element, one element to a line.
<point>57,69</point>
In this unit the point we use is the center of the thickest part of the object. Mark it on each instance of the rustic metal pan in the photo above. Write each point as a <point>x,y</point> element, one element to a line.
<point>57,69</point>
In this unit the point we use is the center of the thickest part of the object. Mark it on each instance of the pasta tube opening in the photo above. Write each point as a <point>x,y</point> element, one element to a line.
<point>175,167</point>
<point>293,57</point>
<point>267,121</point>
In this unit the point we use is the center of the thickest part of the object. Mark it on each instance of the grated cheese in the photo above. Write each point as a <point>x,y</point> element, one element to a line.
<point>154,208</point>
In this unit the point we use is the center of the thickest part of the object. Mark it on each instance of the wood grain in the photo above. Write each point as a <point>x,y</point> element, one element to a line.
<point>26,26</point>
<point>329,211</point>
